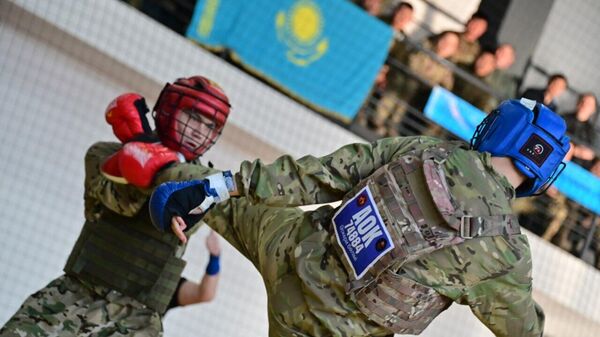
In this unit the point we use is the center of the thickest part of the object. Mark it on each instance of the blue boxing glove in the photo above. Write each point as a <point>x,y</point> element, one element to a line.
<point>188,199</point>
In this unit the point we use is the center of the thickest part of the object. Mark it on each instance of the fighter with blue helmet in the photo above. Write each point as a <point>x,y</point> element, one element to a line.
<point>423,223</point>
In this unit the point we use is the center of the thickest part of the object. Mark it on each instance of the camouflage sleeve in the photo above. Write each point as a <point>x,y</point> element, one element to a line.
<point>126,199</point>
<point>505,305</point>
<point>448,80</point>
<point>184,171</point>
<point>417,61</point>
<point>123,199</point>
<point>311,180</point>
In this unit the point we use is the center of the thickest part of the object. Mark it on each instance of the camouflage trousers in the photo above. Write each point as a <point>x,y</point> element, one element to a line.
<point>302,273</point>
<point>67,307</point>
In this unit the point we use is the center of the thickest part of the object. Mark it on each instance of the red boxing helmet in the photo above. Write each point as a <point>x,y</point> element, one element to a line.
<point>190,114</point>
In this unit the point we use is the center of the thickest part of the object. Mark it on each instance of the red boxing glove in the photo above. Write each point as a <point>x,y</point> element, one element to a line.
<point>111,170</point>
<point>127,116</point>
<point>139,162</point>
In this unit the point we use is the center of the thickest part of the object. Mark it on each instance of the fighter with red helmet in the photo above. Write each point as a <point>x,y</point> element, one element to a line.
<point>189,116</point>
<point>122,274</point>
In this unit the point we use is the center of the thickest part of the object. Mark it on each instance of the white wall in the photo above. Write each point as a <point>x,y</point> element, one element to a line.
<point>62,61</point>
<point>569,44</point>
<point>438,22</point>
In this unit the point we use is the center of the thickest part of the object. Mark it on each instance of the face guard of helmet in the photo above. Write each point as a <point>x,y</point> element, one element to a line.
<point>529,133</point>
<point>190,115</point>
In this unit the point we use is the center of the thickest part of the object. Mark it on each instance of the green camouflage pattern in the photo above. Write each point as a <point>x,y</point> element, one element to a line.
<point>67,307</point>
<point>126,199</point>
<point>403,305</point>
<point>490,274</point>
<point>504,84</point>
<point>474,94</point>
<point>303,275</point>
<point>467,51</point>
<point>416,227</point>
<point>389,113</point>
<point>478,188</point>
<point>431,70</point>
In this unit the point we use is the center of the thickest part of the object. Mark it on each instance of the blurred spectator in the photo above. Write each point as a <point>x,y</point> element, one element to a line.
<point>469,46</point>
<point>399,19</point>
<point>401,16</point>
<point>482,69</point>
<point>373,97</point>
<point>390,111</point>
<point>502,82</point>
<point>595,244</point>
<point>581,127</point>
<point>557,84</point>
<point>373,7</point>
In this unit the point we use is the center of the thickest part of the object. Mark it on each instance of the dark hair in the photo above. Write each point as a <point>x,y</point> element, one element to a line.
<point>595,161</point>
<point>487,51</point>
<point>480,15</point>
<point>402,4</point>
<point>557,76</point>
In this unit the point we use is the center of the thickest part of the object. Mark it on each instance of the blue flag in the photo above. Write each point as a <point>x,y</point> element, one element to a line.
<point>327,53</point>
<point>461,118</point>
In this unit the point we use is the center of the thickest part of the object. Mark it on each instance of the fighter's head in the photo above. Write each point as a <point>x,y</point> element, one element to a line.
<point>190,115</point>
<point>529,133</point>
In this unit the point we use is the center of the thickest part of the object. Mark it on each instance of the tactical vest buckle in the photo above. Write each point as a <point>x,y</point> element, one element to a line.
<point>466,229</point>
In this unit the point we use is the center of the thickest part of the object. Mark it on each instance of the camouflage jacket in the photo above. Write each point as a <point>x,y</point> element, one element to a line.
<point>431,70</point>
<point>490,274</point>
<point>126,199</point>
<point>504,83</point>
<point>467,51</point>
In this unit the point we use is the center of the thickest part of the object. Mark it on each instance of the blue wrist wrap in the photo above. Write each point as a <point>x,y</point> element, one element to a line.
<point>213,265</point>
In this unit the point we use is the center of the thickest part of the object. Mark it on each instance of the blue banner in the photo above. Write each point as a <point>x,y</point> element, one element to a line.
<point>324,52</point>
<point>461,118</point>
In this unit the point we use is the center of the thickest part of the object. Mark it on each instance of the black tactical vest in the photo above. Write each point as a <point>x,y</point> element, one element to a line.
<point>129,255</point>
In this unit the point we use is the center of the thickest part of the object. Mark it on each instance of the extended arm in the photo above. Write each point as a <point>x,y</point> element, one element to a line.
<point>506,307</point>
<point>311,180</point>
<point>286,182</point>
<point>191,292</point>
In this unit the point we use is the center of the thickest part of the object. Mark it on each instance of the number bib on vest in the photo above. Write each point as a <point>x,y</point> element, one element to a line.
<point>360,232</point>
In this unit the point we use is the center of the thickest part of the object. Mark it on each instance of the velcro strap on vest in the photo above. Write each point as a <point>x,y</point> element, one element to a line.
<point>490,225</point>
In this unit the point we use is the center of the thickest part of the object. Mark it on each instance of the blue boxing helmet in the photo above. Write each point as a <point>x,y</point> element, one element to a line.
<point>530,134</point>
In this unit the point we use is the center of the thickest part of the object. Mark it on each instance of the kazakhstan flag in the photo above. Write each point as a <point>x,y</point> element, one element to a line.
<point>324,52</point>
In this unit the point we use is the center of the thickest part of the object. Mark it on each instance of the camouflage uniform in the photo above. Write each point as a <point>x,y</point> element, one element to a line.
<point>475,95</point>
<point>304,274</point>
<point>467,51</point>
<point>504,84</point>
<point>390,113</point>
<point>69,307</point>
<point>80,305</point>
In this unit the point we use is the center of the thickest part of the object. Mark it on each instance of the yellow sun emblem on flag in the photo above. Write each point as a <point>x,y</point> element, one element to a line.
<point>301,29</point>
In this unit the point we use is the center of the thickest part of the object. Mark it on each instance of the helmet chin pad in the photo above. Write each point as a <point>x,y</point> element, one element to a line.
<point>535,139</point>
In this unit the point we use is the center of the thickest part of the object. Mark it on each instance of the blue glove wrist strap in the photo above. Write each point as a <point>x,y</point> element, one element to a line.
<point>213,265</point>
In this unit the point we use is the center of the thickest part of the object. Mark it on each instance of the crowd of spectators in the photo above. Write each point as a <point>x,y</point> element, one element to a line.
<point>457,61</point>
